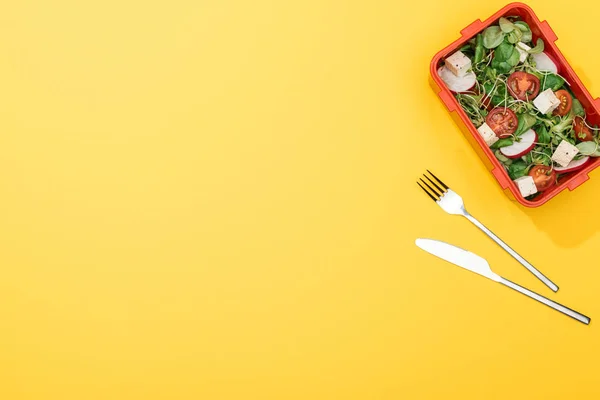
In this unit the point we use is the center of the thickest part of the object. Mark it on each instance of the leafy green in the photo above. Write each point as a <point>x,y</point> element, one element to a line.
<point>504,51</point>
<point>578,108</point>
<point>541,156</point>
<point>505,57</point>
<point>503,159</point>
<point>506,26</point>
<point>515,36</point>
<point>524,28</point>
<point>502,143</point>
<point>565,123</point>
<point>490,73</point>
<point>551,81</point>
<point>492,37</point>
<point>587,148</point>
<point>543,135</point>
<point>500,95</point>
<point>497,92</point>
<point>514,58</point>
<point>526,121</point>
<point>479,50</point>
<point>539,47</point>
<point>470,104</point>
<point>517,169</point>
<point>503,67</point>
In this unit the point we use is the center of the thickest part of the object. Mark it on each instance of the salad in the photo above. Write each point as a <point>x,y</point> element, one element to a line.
<point>522,107</point>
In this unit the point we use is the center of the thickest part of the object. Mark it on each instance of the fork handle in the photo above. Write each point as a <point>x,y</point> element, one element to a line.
<point>513,253</point>
<point>557,306</point>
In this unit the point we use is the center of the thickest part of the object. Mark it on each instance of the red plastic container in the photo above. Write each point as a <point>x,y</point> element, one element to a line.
<point>540,30</point>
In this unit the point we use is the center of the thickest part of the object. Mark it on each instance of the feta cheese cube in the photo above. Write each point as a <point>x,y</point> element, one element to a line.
<point>546,101</point>
<point>487,134</point>
<point>458,64</point>
<point>564,153</point>
<point>526,185</point>
<point>523,49</point>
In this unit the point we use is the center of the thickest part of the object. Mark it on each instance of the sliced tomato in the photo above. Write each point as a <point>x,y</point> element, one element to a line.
<point>582,132</point>
<point>503,121</point>
<point>543,176</point>
<point>523,86</point>
<point>566,102</point>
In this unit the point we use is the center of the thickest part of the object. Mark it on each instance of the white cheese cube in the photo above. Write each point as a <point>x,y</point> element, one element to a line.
<point>523,49</point>
<point>458,64</point>
<point>526,185</point>
<point>564,153</point>
<point>487,134</point>
<point>546,101</point>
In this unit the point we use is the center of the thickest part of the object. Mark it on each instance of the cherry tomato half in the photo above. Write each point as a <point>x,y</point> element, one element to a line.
<point>582,132</point>
<point>543,176</point>
<point>566,101</point>
<point>502,121</point>
<point>523,86</point>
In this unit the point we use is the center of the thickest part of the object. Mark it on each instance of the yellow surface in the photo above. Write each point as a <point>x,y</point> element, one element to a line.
<point>216,200</point>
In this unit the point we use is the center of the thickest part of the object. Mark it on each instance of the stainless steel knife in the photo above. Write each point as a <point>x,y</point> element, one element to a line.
<point>474,263</point>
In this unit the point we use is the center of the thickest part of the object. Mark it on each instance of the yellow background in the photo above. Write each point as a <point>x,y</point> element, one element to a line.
<point>216,200</point>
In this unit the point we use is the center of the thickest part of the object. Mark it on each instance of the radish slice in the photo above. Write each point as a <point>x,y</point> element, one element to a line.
<point>519,149</point>
<point>543,62</point>
<point>457,84</point>
<point>573,166</point>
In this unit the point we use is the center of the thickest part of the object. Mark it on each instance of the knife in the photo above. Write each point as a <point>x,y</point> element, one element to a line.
<point>474,263</point>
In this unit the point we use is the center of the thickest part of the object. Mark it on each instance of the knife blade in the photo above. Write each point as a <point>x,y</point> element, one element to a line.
<point>458,256</point>
<point>474,263</point>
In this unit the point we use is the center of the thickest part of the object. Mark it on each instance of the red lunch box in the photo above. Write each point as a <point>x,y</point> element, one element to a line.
<point>540,30</point>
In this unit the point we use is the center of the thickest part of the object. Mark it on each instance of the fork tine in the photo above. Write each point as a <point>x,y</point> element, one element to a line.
<point>434,184</point>
<point>438,195</point>
<point>428,194</point>
<point>439,181</point>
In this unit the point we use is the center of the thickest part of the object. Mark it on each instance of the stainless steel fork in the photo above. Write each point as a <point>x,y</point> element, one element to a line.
<point>452,203</point>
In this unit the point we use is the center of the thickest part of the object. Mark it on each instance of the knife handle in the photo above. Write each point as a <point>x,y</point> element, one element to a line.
<point>558,307</point>
<point>513,253</point>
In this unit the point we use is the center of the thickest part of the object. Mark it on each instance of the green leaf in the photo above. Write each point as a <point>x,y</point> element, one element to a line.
<point>543,135</point>
<point>490,73</point>
<point>514,58</point>
<point>539,47</point>
<point>504,51</point>
<point>492,37</point>
<point>563,125</point>
<point>502,67</point>
<point>587,148</point>
<point>541,156</point>
<point>526,121</point>
<point>578,108</point>
<point>465,48</point>
<point>479,50</point>
<point>551,81</point>
<point>515,36</point>
<point>506,26</point>
<point>522,25</point>
<point>505,57</point>
<point>502,143</point>
<point>502,158</point>
<point>517,169</point>
<point>499,95</point>
<point>524,28</point>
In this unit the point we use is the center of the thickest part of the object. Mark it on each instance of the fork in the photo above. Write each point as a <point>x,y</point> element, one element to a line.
<point>453,204</point>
